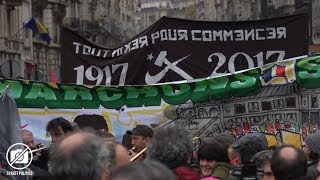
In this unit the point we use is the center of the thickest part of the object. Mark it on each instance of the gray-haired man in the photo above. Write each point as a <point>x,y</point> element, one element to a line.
<point>81,156</point>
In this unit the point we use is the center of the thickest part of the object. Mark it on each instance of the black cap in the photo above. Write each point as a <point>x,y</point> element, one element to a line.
<point>256,137</point>
<point>142,130</point>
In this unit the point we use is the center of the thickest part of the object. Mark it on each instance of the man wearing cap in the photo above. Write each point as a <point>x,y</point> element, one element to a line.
<point>312,152</point>
<point>250,144</point>
<point>140,137</point>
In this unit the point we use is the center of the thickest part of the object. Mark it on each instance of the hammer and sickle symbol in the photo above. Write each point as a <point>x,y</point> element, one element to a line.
<point>161,59</point>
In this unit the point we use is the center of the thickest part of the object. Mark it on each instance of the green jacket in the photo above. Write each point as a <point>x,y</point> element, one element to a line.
<point>222,170</point>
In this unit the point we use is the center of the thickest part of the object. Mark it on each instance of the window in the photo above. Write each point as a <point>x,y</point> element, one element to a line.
<point>240,108</point>
<point>266,105</point>
<point>240,11</point>
<point>228,110</point>
<point>239,121</point>
<point>254,120</point>
<point>305,101</point>
<point>202,113</point>
<point>291,119</point>
<point>314,101</point>
<point>253,107</point>
<point>312,117</point>
<point>291,102</point>
<point>278,104</point>
<point>268,117</point>
<point>279,117</point>
<point>9,23</point>
<point>213,112</point>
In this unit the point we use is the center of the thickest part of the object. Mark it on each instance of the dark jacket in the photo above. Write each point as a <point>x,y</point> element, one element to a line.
<point>312,169</point>
<point>221,170</point>
<point>41,160</point>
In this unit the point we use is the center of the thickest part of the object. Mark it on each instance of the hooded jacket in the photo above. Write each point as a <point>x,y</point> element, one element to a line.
<point>221,170</point>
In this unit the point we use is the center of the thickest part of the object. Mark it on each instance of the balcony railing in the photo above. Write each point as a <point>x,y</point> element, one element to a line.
<point>12,45</point>
<point>97,26</point>
<point>80,25</point>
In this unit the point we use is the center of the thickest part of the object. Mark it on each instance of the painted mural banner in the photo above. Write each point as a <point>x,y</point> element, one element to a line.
<point>182,50</point>
<point>278,96</point>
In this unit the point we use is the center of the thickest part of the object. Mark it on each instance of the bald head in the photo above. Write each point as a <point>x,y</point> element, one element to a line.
<point>73,142</point>
<point>288,153</point>
<point>289,162</point>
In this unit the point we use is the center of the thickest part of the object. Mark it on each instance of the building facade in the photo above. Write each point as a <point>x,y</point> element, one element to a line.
<point>153,10</point>
<point>11,44</point>
<point>47,57</point>
<point>36,59</point>
<point>282,107</point>
<point>283,7</point>
<point>94,19</point>
<point>315,4</point>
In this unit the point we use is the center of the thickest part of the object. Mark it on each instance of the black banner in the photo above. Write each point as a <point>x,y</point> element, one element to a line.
<point>175,49</point>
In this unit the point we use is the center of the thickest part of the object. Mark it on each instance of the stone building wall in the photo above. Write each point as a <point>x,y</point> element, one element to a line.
<point>11,43</point>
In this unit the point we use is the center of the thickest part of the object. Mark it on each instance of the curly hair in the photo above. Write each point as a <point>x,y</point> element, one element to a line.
<point>171,146</point>
<point>213,151</point>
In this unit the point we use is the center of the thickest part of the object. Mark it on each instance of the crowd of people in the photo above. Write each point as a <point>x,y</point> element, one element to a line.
<point>167,153</point>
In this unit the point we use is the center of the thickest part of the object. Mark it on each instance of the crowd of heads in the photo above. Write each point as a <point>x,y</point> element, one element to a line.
<point>79,153</point>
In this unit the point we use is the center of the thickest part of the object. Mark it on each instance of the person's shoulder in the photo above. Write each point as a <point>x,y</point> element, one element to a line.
<point>313,164</point>
<point>186,173</point>
<point>223,164</point>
